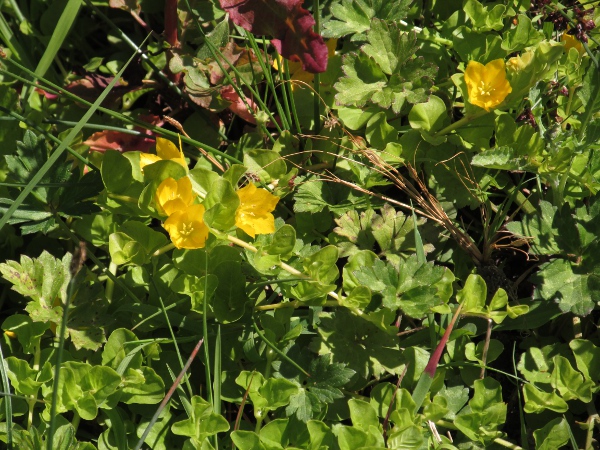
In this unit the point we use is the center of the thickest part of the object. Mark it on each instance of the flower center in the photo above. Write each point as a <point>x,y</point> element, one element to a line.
<point>186,229</point>
<point>485,89</point>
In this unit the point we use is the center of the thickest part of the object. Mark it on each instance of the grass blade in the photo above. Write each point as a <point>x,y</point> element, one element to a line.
<point>61,148</point>
<point>65,22</point>
<point>169,394</point>
<point>7,401</point>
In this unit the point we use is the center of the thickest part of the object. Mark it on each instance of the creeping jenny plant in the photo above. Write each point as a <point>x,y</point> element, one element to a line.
<point>400,255</point>
<point>487,84</point>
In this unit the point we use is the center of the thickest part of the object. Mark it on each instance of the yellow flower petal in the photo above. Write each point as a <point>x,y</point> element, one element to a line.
<point>165,149</point>
<point>487,85</point>
<point>187,228</point>
<point>148,158</point>
<point>253,215</point>
<point>174,195</point>
<point>571,42</point>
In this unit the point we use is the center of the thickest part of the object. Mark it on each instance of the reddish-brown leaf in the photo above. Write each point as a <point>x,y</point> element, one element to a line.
<point>290,25</point>
<point>123,142</point>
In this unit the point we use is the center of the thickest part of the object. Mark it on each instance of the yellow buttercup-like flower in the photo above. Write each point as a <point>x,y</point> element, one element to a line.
<point>187,228</point>
<point>254,213</point>
<point>174,195</point>
<point>165,150</point>
<point>571,42</point>
<point>487,85</point>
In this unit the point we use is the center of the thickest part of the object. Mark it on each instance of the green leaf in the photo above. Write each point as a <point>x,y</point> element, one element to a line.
<point>406,438</point>
<point>354,16</point>
<point>320,435</point>
<point>203,422</point>
<point>117,172</point>
<point>247,440</point>
<point>587,358</point>
<point>221,202</point>
<point>523,35</point>
<point>28,332</point>
<point>276,392</point>
<point>23,378</point>
<point>143,386</point>
<point>321,388</point>
<point>573,291</point>
<point>116,351</point>
<point>44,279</point>
<point>430,116</point>
<point>553,435</point>
<point>415,288</point>
<point>373,352</point>
<point>484,18</point>
<point>409,78</point>
<point>537,401</point>
<point>282,241</point>
<point>363,79</point>
<point>268,165</point>
<point>321,266</point>
<point>230,297</point>
<point>134,243</point>
<point>363,415</point>
<point>569,382</point>
<point>473,295</point>
<point>313,196</point>
<point>379,132</point>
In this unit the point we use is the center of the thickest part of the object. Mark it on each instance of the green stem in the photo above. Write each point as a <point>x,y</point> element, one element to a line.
<point>507,444</point>
<point>164,249</point>
<point>460,123</point>
<point>33,400</point>
<point>293,304</point>
<point>290,88</point>
<point>75,421</point>
<point>283,265</point>
<point>110,284</point>
<point>258,412</point>
<point>317,79</point>
<point>123,198</point>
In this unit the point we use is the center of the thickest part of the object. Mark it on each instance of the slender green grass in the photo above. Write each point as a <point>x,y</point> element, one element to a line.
<point>276,349</point>
<point>55,89</point>
<point>60,149</point>
<point>209,386</point>
<point>7,401</point>
<point>170,328</point>
<point>217,380</point>
<point>165,400</point>
<point>317,82</point>
<point>13,43</point>
<point>63,26</point>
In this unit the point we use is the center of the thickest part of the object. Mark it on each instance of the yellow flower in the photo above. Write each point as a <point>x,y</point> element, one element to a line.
<point>571,42</point>
<point>187,228</point>
<point>174,195</point>
<point>298,75</point>
<point>165,150</point>
<point>487,85</point>
<point>254,213</point>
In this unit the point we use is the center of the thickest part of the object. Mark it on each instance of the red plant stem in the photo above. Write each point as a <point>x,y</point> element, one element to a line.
<point>434,360</point>
<point>171,32</point>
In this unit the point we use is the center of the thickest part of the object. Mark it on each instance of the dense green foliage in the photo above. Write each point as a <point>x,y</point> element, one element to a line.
<point>401,251</point>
